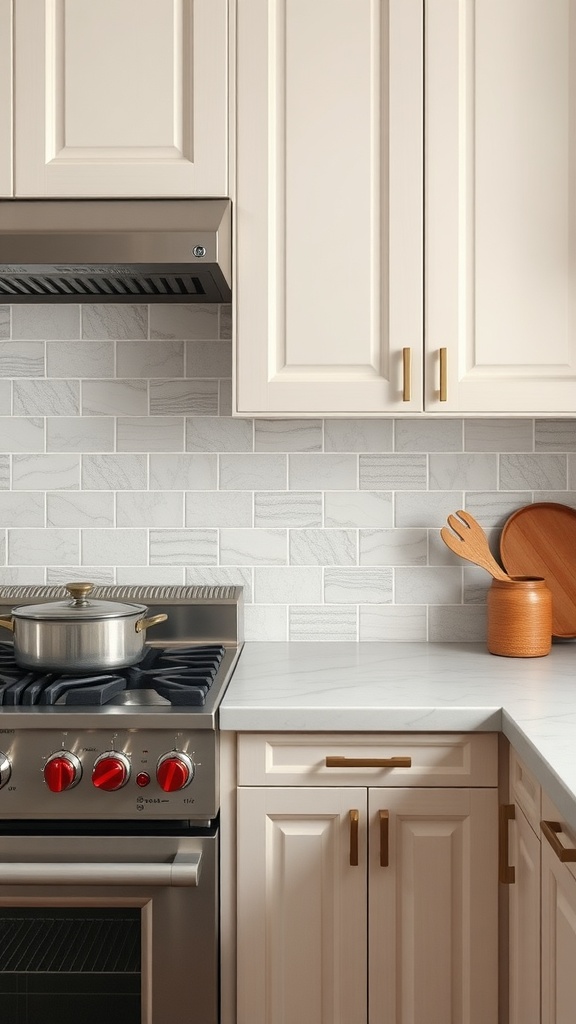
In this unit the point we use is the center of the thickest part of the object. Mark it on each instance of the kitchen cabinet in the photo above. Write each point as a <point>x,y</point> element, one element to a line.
<point>365,891</point>
<point>374,157</point>
<point>521,824</point>
<point>558,919</point>
<point>115,98</point>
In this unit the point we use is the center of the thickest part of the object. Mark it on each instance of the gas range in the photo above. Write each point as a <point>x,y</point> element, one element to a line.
<point>138,743</point>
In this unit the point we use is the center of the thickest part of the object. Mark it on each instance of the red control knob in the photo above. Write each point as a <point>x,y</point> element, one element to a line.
<point>111,771</point>
<point>62,771</point>
<point>174,771</point>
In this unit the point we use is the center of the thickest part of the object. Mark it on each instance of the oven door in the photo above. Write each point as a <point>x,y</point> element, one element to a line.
<point>109,927</point>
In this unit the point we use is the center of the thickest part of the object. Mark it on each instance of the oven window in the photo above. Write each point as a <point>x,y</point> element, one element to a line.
<point>70,964</point>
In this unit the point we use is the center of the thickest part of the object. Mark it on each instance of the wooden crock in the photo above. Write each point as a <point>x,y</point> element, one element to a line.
<point>520,617</point>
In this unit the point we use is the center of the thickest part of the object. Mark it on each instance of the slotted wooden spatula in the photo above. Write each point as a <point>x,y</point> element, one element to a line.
<point>469,541</point>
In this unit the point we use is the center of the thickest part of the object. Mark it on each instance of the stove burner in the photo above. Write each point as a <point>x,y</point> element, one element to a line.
<point>175,675</point>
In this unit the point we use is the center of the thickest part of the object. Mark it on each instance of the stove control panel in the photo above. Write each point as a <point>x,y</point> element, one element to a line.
<point>107,774</point>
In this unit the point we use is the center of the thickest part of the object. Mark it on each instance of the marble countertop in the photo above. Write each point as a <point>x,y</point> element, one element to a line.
<point>422,687</point>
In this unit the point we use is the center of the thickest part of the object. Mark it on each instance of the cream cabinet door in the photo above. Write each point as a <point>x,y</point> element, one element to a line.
<point>5,97</point>
<point>120,97</point>
<point>433,919</point>
<point>500,198</point>
<point>524,923</point>
<point>328,207</point>
<point>301,906</point>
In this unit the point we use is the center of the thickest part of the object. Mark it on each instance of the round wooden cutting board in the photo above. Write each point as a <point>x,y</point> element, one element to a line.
<point>540,540</point>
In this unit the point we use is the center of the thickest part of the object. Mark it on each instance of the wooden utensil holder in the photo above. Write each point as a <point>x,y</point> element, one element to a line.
<point>520,617</point>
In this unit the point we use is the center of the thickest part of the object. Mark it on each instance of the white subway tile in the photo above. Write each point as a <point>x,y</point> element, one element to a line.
<point>287,585</point>
<point>22,434</point>
<point>225,397</point>
<point>114,398</point>
<point>499,435</point>
<point>323,547</point>
<point>22,575</point>
<point>265,622</point>
<point>292,508</point>
<point>533,472</point>
<point>114,472</point>
<point>114,547</point>
<point>150,508</point>
<point>356,585</point>
<point>46,397</point>
<point>252,472</point>
<point>4,322</point>
<point>184,398</point>
<point>358,508</point>
<point>183,320</point>
<point>225,328</point>
<point>22,509</point>
<point>100,575</point>
<point>219,434</point>
<point>150,575</point>
<point>322,623</point>
<point>149,359</point>
<point>208,358</point>
<point>114,321</point>
<point>46,472</point>
<point>492,508</point>
<point>554,436</point>
<point>219,508</point>
<point>150,434</point>
<point>393,622</point>
<point>79,434</point>
<point>221,576</point>
<point>428,585</point>
<point>457,624</point>
<point>359,435</point>
<point>323,472</point>
<point>288,436</point>
<point>46,320</point>
<point>427,435</point>
<point>183,547</point>
<point>414,508</point>
<point>80,509</point>
<point>183,472</point>
<point>80,359</point>
<point>393,547</point>
<point>43,547</point>
<point>22,359</point>
<point>393,472</point>
<point>471,472</point>
<point>253,547</point>
<point>5,397</point>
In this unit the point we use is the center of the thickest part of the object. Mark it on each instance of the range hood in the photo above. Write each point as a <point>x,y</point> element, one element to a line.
<point>115,250</point>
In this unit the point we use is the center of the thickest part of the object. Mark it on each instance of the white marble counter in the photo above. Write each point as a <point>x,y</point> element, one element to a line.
<point>415,687</point>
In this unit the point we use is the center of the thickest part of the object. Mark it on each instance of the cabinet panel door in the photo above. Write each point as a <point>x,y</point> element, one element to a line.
<point>301,907</point>
<point>500,189</point>
<point>524,923</point>
<point>433,919</point>
<point>5,97</point>
<point>558,940</point>
<point>328,206</point>
<point>118,98</point>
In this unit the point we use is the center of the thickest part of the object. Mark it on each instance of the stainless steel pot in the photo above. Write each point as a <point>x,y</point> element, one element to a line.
<point>79,635</point>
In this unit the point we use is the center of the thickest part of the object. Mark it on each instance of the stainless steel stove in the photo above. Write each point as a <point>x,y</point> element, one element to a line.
<point>138,742</point>
<point>109,801</point>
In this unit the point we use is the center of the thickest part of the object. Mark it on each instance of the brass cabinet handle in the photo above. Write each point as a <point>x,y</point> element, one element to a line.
<point>551,830</point>
<point>384,838</point>
<point>333,761</point>
<point>443,374</point>
<point>406,374</point>
<point>354,819</point>
<point>506,872</point>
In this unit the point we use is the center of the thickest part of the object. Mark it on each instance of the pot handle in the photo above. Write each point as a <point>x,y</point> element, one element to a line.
<point>8,624</point>
<point>143,624</point>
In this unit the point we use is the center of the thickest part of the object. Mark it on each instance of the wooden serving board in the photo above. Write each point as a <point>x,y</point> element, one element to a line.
<point>540,540</point>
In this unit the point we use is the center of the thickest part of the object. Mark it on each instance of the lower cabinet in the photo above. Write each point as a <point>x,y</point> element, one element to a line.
<point>558,919</point>
<point>361,902</point>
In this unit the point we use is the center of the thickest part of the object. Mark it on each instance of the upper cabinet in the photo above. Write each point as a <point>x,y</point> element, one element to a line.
<point>328,205</point>
<point>115,98</point>
<point>405,207</point>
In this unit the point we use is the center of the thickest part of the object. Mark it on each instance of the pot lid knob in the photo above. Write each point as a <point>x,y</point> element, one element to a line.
<point>79,591</point>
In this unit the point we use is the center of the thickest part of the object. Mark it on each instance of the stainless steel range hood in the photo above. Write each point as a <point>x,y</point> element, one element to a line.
<point>115,250</point>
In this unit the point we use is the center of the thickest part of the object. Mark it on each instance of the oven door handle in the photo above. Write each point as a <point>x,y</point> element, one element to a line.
<point>183,870</point>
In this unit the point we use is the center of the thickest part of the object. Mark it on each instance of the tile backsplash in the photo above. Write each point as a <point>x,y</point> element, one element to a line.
<point>120,462</point>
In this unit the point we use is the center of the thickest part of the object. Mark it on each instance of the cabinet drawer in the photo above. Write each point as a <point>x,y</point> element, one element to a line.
<point>525,791</point>
<point>430,759</point>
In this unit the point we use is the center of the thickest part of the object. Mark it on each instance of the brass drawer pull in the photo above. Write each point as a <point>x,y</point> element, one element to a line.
<point>384,839</point>
<point>443,375</point>
<point>354,819</point>
<point>406,374</point>
<point>506,873</point>
<point>334,761</point>
<point>551,830</point>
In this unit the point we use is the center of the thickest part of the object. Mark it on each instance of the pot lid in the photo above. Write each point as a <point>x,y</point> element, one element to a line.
<point>79,607</point>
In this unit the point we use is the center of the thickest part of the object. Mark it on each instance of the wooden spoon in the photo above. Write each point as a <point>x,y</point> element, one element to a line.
<point>469,541</point>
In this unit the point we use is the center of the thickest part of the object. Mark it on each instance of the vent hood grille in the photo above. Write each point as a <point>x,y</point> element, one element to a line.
<point>115,251</point>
